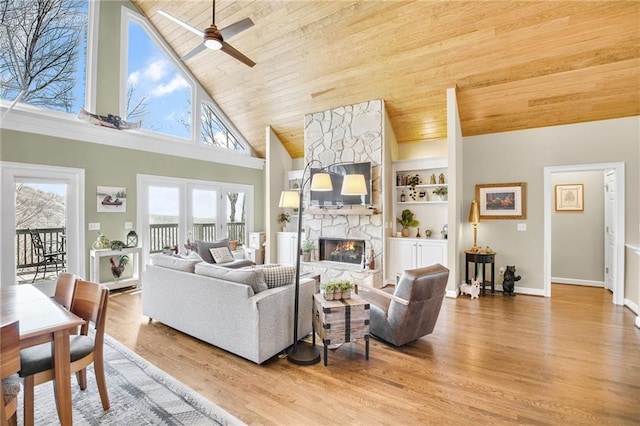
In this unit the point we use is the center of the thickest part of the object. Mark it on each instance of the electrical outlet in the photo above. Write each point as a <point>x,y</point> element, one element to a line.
<point>128,225</point>
<point>93,226</point>
<point>522,227</point>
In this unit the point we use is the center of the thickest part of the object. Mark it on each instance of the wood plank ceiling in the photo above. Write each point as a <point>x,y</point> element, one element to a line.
<point>516,65</point>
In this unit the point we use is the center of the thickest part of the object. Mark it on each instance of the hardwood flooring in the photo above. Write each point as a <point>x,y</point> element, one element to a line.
<point>571,359</point>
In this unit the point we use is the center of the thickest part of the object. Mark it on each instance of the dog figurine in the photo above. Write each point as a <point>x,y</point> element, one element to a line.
<point>509,280</point>
<point>472,289</point>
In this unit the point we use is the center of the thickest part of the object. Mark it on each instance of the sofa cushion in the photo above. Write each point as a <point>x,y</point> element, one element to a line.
<point>276,275</point>
<point>186,264</point>
<point>252,278</point>
<point>202,247</point>
<point>221,254</point>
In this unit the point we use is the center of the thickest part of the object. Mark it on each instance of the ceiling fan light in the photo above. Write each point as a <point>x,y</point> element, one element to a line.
<point>213,44</point>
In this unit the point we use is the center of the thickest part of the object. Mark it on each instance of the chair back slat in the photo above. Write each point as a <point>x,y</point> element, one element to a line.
<point>9,349</point>
<point>65,286</point>
<point>90,303</point>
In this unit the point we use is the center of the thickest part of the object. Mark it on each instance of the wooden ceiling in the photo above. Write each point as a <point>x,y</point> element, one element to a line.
<point>515,65</point>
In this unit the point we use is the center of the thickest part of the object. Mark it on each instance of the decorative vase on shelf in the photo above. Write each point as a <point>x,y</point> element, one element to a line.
<point>405,232</point>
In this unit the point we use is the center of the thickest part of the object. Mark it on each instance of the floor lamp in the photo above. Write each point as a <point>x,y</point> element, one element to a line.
<point>320,181</point>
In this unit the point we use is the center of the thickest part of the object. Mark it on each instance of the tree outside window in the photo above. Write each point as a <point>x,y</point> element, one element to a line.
<point>43,52</point>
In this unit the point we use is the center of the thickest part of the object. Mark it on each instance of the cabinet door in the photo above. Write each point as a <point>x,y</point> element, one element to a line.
<point>402,257</point>
<point>429,254</point>
<point>287,245</point>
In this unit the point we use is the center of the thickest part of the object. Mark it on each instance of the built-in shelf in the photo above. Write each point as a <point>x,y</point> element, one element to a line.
<point>422,202</point>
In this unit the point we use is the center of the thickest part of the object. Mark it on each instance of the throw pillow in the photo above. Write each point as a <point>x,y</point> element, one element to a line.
<point>204,246</point>
<point>277,275</point>
<point>254,279</point>
<point>221,254</point>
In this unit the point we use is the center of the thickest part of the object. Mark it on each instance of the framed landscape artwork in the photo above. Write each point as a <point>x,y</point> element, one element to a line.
<point>570,198</point>
<point>502,200</point>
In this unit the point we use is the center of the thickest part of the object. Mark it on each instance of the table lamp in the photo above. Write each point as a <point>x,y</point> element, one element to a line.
<point>474,218</point>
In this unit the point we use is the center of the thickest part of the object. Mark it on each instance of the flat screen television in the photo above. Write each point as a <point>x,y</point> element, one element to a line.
<point>337,173</point>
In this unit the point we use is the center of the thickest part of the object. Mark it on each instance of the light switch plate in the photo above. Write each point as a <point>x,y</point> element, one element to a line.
<point>94,226</point>
<point>522,227</point>
<point>128,225</point>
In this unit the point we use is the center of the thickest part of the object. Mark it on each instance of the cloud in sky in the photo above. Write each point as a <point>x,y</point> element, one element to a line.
<point>175,84</point>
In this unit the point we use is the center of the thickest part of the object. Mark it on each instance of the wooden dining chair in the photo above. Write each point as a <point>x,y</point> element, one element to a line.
<point>9,366</point>
<point>65,286</point>
<point>89,303</point>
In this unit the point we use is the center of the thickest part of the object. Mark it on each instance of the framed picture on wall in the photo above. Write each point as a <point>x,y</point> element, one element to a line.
<point>570,198</point>
<point>111,199</point>
<point>502,200</point>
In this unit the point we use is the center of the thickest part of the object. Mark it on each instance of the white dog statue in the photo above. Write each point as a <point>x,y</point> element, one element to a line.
<point>472,289</point>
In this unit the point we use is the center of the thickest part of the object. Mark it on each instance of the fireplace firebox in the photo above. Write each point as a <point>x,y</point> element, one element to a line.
<point>345,250</point>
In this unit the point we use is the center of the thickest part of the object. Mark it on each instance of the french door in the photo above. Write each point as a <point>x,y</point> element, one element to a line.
<point>172,212</point>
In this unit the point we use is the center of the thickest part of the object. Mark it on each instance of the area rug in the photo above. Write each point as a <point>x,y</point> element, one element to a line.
<point>140,394</point>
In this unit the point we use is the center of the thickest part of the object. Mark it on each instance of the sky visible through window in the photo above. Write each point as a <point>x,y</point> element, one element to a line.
<point>157,93</point>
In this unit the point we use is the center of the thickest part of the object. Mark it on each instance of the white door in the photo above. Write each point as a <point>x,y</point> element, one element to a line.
<point>429,254</point>
<point>609,229</point>
<point>402,256</point>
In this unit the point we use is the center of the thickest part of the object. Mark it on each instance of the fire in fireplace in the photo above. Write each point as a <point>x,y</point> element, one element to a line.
<point>341,250</point>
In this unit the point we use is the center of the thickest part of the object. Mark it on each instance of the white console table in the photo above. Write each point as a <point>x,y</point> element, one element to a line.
<point>135,257</point>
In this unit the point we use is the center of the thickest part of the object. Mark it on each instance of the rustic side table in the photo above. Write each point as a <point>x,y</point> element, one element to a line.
<point>340,321</point>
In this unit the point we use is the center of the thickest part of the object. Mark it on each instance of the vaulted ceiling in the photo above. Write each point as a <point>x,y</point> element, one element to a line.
<point>516,65</point>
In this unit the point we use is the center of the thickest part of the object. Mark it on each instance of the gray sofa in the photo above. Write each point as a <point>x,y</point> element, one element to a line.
<point>207,304</point>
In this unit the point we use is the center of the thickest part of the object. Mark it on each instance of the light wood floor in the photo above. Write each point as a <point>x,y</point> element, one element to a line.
<point>572,359</point>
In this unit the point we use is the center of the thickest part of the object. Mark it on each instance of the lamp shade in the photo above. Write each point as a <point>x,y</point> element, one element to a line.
<point>354,185</point>
<point>474,214</point>
<point>290,199</point>
<point>321,182</point>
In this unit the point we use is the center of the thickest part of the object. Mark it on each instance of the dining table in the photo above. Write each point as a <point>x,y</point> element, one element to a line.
<point>42,320</point>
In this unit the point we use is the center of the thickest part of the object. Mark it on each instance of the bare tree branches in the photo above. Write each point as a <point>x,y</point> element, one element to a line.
<point>38,209</point>
<point>39,50</point>
<point>215,133</point>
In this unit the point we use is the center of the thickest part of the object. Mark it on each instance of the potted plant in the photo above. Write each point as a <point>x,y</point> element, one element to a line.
<point>283,218</point>
<point>406,220</point>
<point>328,290</point>
<point>307,248</point>
<point>441,192</point>
<point>345,288</point>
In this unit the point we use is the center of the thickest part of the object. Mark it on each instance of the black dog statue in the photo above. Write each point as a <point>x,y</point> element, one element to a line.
<point>509,281</point>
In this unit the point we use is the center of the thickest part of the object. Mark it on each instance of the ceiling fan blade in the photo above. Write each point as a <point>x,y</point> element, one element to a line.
<point>238,27</point>
<point>199,48</point>
<point>230,50</point>
<point>182,24</point>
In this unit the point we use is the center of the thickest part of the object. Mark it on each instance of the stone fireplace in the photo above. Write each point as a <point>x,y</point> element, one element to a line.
<point>343,250</point>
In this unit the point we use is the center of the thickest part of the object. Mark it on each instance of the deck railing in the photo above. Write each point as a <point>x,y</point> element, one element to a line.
<point>161,235</point>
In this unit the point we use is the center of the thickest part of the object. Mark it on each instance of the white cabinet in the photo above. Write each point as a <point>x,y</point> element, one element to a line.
<point>287,247</point>
<point>428,208</point>
<point>411,253</point>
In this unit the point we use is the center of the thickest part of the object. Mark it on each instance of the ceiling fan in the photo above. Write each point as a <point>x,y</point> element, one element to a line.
<point>213,38</point>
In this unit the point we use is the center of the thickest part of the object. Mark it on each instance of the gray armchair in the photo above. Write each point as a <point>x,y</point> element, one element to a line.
<point>412,310</point>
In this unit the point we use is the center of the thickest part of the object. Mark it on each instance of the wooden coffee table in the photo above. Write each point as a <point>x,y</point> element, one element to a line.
<point>340,321</point>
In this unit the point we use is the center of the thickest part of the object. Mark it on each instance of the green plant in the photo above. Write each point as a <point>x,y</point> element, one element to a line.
<point>407,220</point>
<point>307,246</point>
<point>413,180</point>
<point>283,218</point>
<point>336,285</point>
<point>441,191</point>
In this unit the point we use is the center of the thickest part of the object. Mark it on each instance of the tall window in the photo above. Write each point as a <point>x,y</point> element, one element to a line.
<point>157,92</point>
<point>43,52</point>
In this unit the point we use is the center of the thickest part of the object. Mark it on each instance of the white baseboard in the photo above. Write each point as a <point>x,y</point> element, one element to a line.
<point>634,307</point>
<point>638,321</point>
<point>452,293</point>
<point>574,281</point>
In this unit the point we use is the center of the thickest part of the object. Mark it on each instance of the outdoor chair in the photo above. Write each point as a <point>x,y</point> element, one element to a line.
<point>50,254</point>
<point>89,303</point>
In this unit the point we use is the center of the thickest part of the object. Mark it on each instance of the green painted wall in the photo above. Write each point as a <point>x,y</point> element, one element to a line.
<point>111,166</point>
